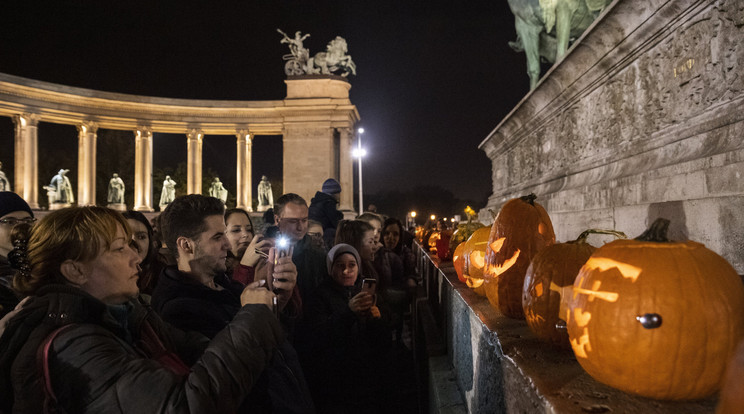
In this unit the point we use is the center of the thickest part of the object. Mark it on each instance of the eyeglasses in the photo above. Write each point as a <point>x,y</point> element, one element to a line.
<point>11,221</point>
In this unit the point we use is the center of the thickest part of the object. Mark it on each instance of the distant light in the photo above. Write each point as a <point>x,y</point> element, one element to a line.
<point>413,214</point>
<point>452,220</point>
<point>359,152</point>
<point>360,130</point>
<point>433,217</point>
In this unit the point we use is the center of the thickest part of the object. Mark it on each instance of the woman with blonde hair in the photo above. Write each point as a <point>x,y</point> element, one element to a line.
<point>83,342</point>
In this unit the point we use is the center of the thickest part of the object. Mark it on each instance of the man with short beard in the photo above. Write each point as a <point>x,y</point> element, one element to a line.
<point>196,295</point>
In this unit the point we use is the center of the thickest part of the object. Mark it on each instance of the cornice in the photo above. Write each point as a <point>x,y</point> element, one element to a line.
<point>69,105</point>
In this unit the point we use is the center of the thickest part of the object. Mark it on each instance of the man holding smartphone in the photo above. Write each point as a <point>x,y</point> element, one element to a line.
<point>291,216</point>
<point>197,295</point>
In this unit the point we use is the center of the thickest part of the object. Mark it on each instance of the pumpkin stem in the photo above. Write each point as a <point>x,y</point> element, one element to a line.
<point>584,235</point>
<point>657,232</point>
<point>530,198</point>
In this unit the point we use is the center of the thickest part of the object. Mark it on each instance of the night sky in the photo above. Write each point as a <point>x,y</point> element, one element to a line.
<point>434,78</point>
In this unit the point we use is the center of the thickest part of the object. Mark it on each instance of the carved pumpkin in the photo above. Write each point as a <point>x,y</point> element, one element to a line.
<point>553,268</point>
<point>458,261</point>
<point>463,232</point>
<point>431,242</point>
<point>474,255</point>
<point>731,398</point>
<point>521,229</point>
<point>655,318</point>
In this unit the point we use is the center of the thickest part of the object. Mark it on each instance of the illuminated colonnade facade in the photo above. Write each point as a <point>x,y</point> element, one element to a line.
<point>316,121</point>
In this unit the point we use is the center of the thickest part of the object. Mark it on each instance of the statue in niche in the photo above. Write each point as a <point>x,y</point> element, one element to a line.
<point>169,192</point>
<point>59,191</point>
<point>265,196</point>
<point>545,27</point>
<point>4,183</point>
<point>115,190</point>
<point>333,60</point>
<point>216,190</point>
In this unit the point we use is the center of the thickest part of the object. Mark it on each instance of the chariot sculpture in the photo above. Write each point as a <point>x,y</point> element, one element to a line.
<point>333,61</point>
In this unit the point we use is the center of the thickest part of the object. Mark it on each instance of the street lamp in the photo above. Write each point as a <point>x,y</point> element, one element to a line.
<point>411,219</point>
<point>359,153</point>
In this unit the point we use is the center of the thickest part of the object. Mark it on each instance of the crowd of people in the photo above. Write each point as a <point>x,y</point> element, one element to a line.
<point>199,311</point>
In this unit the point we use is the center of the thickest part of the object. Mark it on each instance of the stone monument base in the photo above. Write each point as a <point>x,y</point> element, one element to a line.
<point>117,206</point>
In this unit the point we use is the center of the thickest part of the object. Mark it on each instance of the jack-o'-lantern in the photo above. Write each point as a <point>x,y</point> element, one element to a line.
<point>431,242</point>
<point>553,268</point>
<point>464,230</point>
<point>419,234</point>
<point>474,256</point>
<point>458,261</point>
<point>521,229</point>
<point>655,318</point>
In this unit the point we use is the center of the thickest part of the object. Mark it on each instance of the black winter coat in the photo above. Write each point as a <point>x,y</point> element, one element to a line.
<point>345,356</point>
<point>190,305</point>
<point>98,365</point>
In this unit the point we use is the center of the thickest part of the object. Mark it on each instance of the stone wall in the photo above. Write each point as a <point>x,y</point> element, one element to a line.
<point>643,118</point>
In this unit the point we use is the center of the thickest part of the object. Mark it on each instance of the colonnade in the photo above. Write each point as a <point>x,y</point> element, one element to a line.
<point>26,161</point>
<point>315,120</point>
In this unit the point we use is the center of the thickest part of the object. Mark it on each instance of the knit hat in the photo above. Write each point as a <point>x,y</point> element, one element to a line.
<point>10,202</point>
<point>337,251</point>
<point>331,186</point>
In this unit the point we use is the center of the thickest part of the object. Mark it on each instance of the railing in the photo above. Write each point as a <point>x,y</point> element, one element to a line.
<point>476,360</point>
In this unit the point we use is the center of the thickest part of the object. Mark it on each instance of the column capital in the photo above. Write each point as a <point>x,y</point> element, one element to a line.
<point>143,131</point>
<point>195,134</point>
<point>26,119</point>
<point>87,127</point>
<point>244,133</point>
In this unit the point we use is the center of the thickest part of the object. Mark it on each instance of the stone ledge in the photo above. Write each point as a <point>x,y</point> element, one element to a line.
<point>500,366</point>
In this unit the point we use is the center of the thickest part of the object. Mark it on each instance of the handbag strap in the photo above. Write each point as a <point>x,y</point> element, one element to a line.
<point>42,362</point>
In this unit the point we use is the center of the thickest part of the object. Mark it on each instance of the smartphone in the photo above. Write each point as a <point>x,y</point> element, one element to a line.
<point>369,286</point>
<point>282,246</point>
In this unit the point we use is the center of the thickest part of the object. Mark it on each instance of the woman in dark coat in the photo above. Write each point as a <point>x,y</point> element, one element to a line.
<point>112,354</point>
<point>348,340</point>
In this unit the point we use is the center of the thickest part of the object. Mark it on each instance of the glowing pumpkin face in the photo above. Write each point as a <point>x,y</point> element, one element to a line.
<point>521,229</point>
<point>459,262</point>
<point>654,318</point>
<point>463,232</point>
<point>474,257</point>
<point>432,241</point>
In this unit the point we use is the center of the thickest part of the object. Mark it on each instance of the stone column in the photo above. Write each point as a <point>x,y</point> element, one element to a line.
<point>244,193</point>
<point>194,163</point>
<point>143,169</point>
<point>346,169</point>
<point>87,163</point>
<point>26,158</point>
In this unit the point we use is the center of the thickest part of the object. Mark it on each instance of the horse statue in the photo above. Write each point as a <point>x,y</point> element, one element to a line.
<point>332,60</point>
<point>545,27</point>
